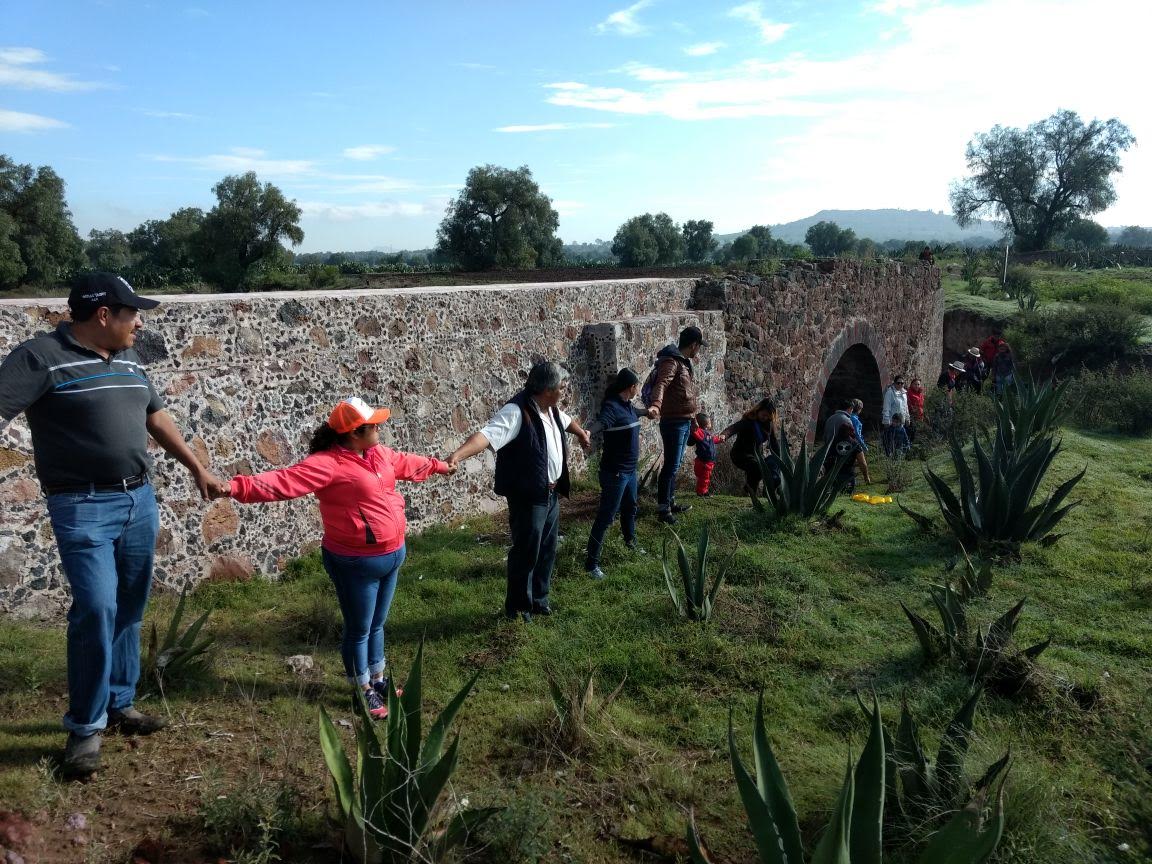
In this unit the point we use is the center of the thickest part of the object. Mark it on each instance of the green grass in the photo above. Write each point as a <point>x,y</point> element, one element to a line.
<point>957,297</point>
<point>1132,285</point>
<point>808,614</point>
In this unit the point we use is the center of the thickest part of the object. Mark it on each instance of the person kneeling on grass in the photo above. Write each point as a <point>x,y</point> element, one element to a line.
<point>354,479</point>
<point>841,456</point>
<point>619,419</point>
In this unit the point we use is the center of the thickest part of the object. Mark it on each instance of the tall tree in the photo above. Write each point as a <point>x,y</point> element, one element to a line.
<point>1040,179</point>
<point>1136,237</point>
<point>1084,234</point>
<point>108,250</point>
<point>699,244</point>
<point>12,267</point>
<point>500,219</point>
<point>827,239</point>
<point>50,248</point>
<point>648,240</point>
<point>165,249</point>
<point>243,232</point>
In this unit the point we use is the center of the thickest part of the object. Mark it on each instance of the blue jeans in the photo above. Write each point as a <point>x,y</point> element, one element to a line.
<point>107,541</point>
<point>365,585</point>
<point>617,495</point>
<point>674,436</point>
<point>534,526</point>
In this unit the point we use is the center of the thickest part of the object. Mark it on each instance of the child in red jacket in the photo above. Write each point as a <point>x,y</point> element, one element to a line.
<point>705,443</point>
<point>354,479</point>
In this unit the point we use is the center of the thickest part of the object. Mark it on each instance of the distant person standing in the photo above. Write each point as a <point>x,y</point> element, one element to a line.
<point>988,349</point>
<point>950,380</point>
<point>91,410</point>
<point>1003,368</point>
<point>858,428</point>
<point>974,371</point>
<point>916,401</point>
<point>532,473</point>
<point>926,256</point>
<point>674,394</point>
<point>895,401</point>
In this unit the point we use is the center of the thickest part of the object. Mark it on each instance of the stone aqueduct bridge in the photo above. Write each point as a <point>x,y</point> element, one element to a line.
<point>249,376</point>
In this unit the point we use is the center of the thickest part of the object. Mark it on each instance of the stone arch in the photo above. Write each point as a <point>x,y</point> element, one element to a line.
<point>854,365</point>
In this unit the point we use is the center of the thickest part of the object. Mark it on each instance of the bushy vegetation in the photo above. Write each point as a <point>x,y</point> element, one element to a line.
<point>1113,399</point>
<point>1062,339</point>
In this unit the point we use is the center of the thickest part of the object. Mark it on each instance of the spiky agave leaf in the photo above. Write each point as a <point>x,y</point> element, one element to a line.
<point>866,839</point>
<point>968,838</point>
<point>833,846</point>
<point>767,819</point>
<point>954,748</point>
<point>932,642</point>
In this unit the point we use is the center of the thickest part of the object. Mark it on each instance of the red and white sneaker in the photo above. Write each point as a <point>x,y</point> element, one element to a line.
<point>377,707</point>
<point>382,686</point>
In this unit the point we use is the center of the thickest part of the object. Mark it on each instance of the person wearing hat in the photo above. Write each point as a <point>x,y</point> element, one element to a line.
<point>974,370</point>
<point>674,394</point>
<point>91,409</point>
<point>619,420</point>
<point>353,477</point>
<point>950,379</point>
<point>527,434</point>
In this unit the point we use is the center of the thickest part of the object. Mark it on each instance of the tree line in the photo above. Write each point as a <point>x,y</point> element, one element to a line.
<point>1042,183</point>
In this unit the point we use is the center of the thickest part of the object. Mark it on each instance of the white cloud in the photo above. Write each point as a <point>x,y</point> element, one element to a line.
<point>354,212</point>
<point>642,72</point>
<point>367,152</point>
<point>15,72</point>
<point>18,121</point>
<point>753,13</point>
<point>623,21</point>
<point>242,159</point>
<point>894,7</point>
<point>553,127</point>
<point>703,49</point>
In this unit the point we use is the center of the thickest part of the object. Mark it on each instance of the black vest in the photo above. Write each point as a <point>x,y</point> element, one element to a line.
<point>522,463</point>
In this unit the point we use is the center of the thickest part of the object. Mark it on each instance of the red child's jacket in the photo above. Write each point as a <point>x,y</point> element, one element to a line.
<point>363,514</point>
<point>916,403</point>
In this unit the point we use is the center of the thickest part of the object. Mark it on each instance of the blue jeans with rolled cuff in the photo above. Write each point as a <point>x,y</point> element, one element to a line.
<point>618,494</point>
<point>107,543</point>
<point>365,586</point>
<point>674,437</point>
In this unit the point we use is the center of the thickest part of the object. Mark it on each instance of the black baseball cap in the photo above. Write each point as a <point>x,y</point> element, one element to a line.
<point>90,291</point>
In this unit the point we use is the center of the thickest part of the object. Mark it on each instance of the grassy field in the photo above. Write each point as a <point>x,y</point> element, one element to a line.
<point>810,615</point>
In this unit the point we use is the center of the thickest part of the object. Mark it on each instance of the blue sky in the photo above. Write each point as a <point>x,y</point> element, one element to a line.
<point>370,114</point>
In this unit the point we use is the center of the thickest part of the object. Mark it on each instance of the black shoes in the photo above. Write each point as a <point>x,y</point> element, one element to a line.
<point>81,755</point>
<point>541,609</point>
<point>681,508</point>
<point>132,722</point>
<point>666,518</point>
<point>512,615</point>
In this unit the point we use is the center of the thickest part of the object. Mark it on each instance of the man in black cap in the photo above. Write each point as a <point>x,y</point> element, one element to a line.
<point>91,409</point>
<point>675,396</point>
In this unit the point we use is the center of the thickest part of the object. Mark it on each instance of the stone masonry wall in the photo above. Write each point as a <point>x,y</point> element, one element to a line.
<point>247,377</point>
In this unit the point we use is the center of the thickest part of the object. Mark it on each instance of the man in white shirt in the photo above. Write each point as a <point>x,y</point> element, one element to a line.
<point>527,435</point>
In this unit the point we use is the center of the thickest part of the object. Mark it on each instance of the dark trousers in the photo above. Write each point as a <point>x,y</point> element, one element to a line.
<point>674,436</point>
<point>534,526</point>
<point>617,494</point>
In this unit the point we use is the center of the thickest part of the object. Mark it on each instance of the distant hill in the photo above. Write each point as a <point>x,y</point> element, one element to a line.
<point>881,225</point>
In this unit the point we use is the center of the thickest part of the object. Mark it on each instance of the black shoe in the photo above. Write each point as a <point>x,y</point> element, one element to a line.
<point>680,508</point>
<point>541,609</point>
<point>81,755</point>
<point>132,722</point>
<point>512,615</point>
<point>666,518</point>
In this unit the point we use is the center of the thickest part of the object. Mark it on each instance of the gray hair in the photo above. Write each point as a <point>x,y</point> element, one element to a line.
<point>545,376</point>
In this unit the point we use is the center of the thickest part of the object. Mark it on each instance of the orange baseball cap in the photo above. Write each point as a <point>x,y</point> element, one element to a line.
<point>353,413</point>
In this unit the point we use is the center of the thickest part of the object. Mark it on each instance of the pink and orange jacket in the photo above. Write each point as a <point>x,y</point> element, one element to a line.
<point>363,514</point>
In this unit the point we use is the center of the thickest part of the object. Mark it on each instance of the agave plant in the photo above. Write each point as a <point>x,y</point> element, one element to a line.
<point>699,599</point>
<point>1027,411</point>
<point>975,580</point>
<point>388,803</point>
<point>990,659</point>
<point>800,486</point>
<point>576,705</point>
<point>180,654</point>
<point>855,834</point>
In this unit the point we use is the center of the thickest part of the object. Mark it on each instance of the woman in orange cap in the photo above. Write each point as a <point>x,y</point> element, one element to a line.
<point>354,479</point>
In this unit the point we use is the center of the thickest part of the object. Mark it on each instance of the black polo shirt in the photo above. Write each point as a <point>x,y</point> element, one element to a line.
<point>87,415</point>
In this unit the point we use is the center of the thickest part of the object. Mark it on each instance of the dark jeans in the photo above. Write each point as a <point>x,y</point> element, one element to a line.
<point>752,473</point>
<point>107,542</point>
<point>534,527</point>
<point>617,494</point>
<point>674,436</point>
<point>365,586</point>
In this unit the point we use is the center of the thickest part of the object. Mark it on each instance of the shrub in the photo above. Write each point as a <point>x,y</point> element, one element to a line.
<point>1018,283</point>
<point>963,416</point>
<point>1058,338</point>
<point>577,707</point>
<point>798,486</point>
<point>181,655</point>
<point>699,599</point>
<point>1111,399</point>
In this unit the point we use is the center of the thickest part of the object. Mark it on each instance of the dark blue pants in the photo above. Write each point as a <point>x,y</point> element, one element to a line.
<point>365,586</point>
<point>617,495</point>
<point>674,436</point>
<point>534,526</point>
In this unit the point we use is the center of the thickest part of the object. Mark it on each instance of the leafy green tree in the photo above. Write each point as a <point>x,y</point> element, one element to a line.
<point>765,245</point>
<point>165,248</point>
<point>108,250</point>
<point>50,248</point>
<point>745,248</point>
<point>12,267</point>
<point>1085,234</point>
<point>1136,237</point>
<point>647,240</point>
<point>500,219</point>
<point>1039,180</point>
<point>699,244</point>
<point>240,238</point>
<point>827,239</point>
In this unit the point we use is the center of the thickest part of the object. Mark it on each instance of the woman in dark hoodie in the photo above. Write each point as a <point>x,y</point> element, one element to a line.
<point>619,420</point>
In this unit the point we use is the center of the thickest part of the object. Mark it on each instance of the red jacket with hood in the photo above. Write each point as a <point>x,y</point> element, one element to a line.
<point>363,514</point>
